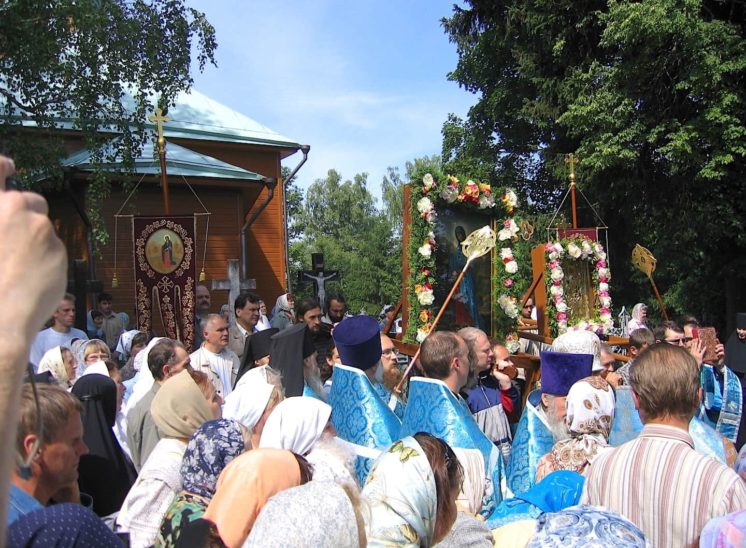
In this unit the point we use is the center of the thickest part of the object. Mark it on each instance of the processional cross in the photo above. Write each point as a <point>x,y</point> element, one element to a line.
<point>234,284</point>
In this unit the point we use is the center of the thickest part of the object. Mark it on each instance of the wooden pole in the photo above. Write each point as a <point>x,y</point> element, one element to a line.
<point>574,208</point>
<point>164,181</point>
<point>660,301</point>
<point>447,300</point>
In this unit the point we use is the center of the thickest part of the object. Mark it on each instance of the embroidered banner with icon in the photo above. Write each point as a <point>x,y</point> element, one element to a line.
<point>165,274</point>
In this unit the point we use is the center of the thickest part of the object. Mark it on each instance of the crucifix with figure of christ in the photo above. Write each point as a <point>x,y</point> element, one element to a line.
<point>318,276</point>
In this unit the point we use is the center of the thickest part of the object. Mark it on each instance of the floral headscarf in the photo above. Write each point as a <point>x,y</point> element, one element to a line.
<point>402,496</point>
<point>590,410</point>
<point>586,526</point>
<point>211,448</point>
<point>54,362</point>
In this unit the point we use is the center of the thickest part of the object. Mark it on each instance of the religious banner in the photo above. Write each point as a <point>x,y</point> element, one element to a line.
<point>165,274</point>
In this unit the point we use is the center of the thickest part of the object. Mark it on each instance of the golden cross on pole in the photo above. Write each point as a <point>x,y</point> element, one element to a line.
<point>570,159</point>
<point>158,119</point>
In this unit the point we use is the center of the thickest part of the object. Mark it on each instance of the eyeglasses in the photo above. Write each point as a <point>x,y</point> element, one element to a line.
<point>679,342</point>
<point>390,352</point>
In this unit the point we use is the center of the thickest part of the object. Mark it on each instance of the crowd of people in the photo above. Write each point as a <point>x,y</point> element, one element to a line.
<point>296,427</point>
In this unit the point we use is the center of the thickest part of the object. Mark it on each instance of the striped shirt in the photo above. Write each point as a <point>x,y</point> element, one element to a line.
<point>660,483</point>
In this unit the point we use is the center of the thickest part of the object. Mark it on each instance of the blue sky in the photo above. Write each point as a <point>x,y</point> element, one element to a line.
<point>363,82</point>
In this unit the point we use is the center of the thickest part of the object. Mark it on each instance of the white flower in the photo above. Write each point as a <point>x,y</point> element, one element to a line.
<point>508,305</point>
<point>509,229</point>
<point>605,317</point>
<point>424,205</point>
<point>506,253</point>
<point>553,256</point>
<point>603,272</point>
<point>597,247</point>
<point>511,267</point>
<point>426,298</point>
<point>603,286</point>
<point>556,274</point>
<point>421,335</point>
<point>601,256</point>
<point>428,181</point>
<point>573,250</point>
<point>449,194</point>
<point>556,290</point>
<point>513,346</point>
<point>605,301</point>
<point>561,307</point>
<point>425,250</point>
<point>486,201</point>
<point>430,216</point>
<point>587,250</point>
<point>511,200</point>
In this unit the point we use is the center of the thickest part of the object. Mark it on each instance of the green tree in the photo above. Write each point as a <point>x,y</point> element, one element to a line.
<point>340,219</point>
<point>93,63</point>
<point>652,97</point>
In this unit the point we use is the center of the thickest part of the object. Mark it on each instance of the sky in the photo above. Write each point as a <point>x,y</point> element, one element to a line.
<point>363,82</point>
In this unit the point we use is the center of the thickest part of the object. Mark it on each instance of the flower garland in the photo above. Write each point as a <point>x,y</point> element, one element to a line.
<point>427,194</point>
<point>579,248</point>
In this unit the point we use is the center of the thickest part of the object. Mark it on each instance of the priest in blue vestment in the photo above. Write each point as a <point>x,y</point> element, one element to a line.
<point>543,419</point>
<point>359,415</point>
<point>435,406</point>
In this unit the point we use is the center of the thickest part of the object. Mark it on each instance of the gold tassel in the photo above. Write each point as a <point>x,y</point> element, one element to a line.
<point>202,276</point>
<point>114,281</point>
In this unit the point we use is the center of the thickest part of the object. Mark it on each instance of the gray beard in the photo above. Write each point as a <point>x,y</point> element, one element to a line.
<point>557,427</point>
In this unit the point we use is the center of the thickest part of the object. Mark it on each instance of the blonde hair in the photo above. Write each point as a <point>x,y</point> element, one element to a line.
<point>666,380</point>
<point>96,345</point>
<point>56,406</point>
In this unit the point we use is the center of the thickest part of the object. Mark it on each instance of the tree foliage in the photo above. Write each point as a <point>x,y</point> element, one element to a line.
<point>96,64</point>
<point>652,97</point>
<point>340,219</point>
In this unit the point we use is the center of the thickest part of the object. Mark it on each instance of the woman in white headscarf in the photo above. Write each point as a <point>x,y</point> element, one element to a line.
<point>639,317</point>
<point>297,424</point>
<point>253,400</point>
<point>590,411</point>
<point>283,316</point>
<point>60,362</point>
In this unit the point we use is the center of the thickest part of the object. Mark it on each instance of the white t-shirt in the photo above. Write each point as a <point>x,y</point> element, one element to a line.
<point>49,338</point>
<point>221,368</point>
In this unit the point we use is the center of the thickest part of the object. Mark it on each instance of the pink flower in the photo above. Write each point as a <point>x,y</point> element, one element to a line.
<point>508,282</point>
<point>603,293</point>
<point>554,264</point>
<point>549,247</point>
<point>601,264</point>
<point>561,316</point>
<point>557,299</point>
<point>604,310</point>
<point>603,280</point>
<point>556,282</point>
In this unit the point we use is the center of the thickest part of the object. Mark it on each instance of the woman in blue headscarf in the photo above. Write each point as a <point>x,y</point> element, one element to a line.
<point>211,448</point>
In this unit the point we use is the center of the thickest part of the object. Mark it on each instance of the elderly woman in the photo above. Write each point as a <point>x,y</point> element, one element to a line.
<point>590,411</point>
<point>60,363</point>
<point>297,424</point>
<point>212,447</point>
<point>283,312</point>
<point>253,399</point>
<point>247,483</point>
<point>292,518</point>
<point>639,317</point>
<point>88,353</point>
<point>183,404</point>
<point>412,492</point>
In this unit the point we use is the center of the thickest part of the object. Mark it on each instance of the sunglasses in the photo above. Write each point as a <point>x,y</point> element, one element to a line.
<point>680,342</point>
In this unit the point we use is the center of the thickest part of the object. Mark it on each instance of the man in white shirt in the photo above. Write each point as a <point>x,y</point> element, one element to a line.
<point>246,307</point>
<point>214,358</point>
<point>61,333</point>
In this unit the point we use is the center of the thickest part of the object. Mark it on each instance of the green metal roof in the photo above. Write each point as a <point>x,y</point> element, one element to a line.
<point>196,116</point>
<point>179,161</point>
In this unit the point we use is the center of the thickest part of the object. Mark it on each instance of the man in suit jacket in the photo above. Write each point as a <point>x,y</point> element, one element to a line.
<point>246,307</point>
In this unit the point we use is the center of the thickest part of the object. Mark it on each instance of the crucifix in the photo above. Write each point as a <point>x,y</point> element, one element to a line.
<point>234,284</point>
<point>318,276</point>
<point>158,119</point>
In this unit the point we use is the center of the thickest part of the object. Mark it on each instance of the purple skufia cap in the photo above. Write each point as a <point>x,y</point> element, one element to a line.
<point>358,342</point>
<point>560,370</point>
